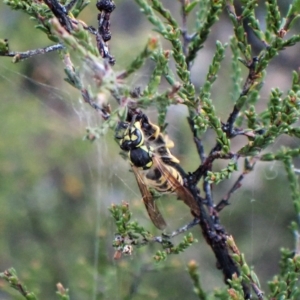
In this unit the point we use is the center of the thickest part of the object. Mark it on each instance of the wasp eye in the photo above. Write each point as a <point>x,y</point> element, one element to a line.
<point>121,130</point>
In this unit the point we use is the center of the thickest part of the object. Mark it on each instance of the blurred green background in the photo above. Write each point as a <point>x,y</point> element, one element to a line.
<point>56,188</point>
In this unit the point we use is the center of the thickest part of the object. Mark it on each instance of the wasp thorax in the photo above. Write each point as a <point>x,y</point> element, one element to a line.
<point>141,157</point>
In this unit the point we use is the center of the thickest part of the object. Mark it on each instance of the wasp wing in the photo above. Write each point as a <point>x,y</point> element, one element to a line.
<point>152,209</point>
<point>181,192</point>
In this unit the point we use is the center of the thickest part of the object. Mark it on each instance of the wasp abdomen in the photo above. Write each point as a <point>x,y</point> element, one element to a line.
<point>161,182</point>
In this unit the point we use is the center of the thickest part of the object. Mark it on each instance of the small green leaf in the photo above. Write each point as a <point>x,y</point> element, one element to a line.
<point>189,7</point>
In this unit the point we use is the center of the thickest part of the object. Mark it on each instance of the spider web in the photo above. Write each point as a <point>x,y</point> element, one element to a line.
<point>108,180</point>
<point>71,124</point>
<point>254,214</point>
<point>106,177</point>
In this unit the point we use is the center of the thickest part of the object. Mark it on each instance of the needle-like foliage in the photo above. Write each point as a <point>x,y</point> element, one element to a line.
<point>173,52</point>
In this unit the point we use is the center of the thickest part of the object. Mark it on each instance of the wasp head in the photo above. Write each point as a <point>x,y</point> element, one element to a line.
<point>130,135</point>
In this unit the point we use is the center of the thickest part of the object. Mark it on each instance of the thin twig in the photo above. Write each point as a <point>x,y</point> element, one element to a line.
<point>197,140</point>
<point>18,56</point>
<point>161,239</point>
<point>238,183</point>
<point>252,75</point>
<point>184,33</point>
<point>259,293</point>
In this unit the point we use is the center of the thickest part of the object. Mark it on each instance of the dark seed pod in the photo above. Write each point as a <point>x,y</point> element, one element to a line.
<point>106,5</point>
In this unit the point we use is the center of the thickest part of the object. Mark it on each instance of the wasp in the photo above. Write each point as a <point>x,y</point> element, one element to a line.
<point>153,165</point>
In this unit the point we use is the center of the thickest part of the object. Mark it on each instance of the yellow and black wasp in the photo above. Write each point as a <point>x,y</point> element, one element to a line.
<point>153,165</point>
